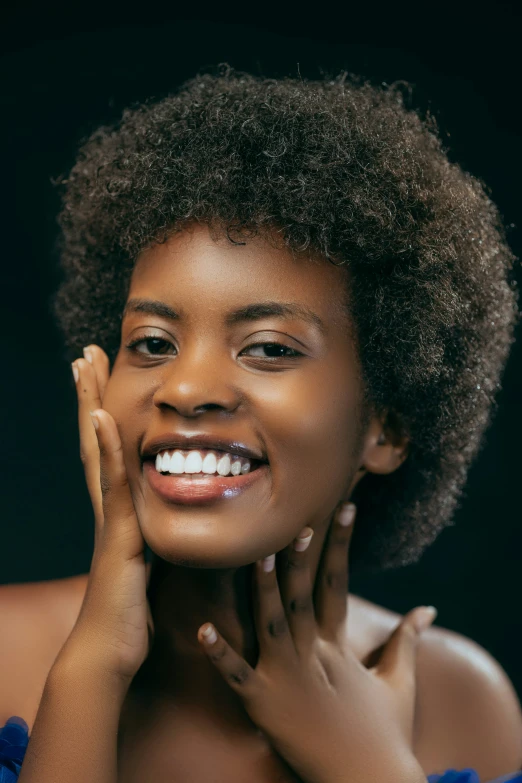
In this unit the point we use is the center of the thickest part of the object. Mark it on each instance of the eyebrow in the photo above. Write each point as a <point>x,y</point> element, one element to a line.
<point>251,312</point>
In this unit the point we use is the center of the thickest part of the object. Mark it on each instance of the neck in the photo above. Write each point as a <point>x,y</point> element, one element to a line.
<point>177,671</point>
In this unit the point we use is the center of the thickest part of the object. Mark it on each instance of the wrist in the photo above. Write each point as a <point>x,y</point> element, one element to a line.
<point>401,768</point>
<point>405,769</point>
<point>74,736</point>
<point>74,667</point>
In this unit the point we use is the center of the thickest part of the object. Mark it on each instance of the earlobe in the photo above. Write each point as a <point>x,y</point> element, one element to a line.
<point>381,453</point>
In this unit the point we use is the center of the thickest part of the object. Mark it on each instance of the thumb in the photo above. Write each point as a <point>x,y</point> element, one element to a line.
<point>398,659</point>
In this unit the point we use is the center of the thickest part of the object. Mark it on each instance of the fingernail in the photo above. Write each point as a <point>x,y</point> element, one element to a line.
<point>424,618</point>
<point>209,634</point>
<point>95,420</point>
<point>302,541</point>
<point>88,354</point>
<point>268,563</point>
<point>76,374</point>
<point>347,514</point>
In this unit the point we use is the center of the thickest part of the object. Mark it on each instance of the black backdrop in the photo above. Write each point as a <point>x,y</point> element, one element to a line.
<point>62,73</point>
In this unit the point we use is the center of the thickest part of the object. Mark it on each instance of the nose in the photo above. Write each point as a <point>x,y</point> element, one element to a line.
<point>196,382</point>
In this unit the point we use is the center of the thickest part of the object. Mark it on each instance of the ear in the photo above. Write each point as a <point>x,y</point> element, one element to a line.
<point>385,446</point>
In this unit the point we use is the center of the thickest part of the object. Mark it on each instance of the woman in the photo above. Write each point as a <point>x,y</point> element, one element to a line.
<point>305,308</point>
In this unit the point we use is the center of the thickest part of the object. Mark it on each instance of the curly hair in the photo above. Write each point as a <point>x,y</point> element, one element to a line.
<point>347,170</point>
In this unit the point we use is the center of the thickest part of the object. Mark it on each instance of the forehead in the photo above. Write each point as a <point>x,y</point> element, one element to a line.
<point>194,269</point>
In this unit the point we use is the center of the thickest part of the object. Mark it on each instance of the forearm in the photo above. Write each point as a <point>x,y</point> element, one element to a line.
<point>396,767</point>
<point>74,737</point>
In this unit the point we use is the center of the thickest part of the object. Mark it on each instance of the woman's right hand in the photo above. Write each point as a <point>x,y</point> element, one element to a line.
<point>114,629</point>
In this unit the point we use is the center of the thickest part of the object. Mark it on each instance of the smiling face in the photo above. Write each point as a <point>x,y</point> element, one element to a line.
<point>204,372</point>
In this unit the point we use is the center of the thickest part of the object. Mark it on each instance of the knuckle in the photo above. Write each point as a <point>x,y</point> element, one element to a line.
<point>301,605</point>
<point>295,563</point>
<point>112,479</point>
<point>337,581</point>
<point>239,676</point>
<point>104,453</point>
<point>105,482</point>
<point>277,627</point>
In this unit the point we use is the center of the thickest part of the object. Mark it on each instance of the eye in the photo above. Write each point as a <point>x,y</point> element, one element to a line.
<point>157,346</point>
<point>274,350</point>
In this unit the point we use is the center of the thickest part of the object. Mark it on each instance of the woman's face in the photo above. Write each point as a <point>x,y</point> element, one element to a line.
<point>203,373</point>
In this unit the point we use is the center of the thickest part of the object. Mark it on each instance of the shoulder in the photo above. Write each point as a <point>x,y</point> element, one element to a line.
<point>467,712</point>
<point>36,618</point>
<point>467,705</point>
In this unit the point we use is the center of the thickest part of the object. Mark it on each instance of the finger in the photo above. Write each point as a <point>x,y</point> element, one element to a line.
<point>88,400</point>
<point>297,592</point>
<point>332,580</point>
<point>234,669</point>
<point>97,357</point>
<point>398,659</point>
<point>272,627</point>
<point>120,521</point>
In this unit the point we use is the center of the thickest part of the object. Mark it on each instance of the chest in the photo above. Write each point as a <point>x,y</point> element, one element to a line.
<point>199,757</point>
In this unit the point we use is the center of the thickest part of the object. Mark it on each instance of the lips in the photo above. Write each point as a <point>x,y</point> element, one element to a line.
<point>186,490</point>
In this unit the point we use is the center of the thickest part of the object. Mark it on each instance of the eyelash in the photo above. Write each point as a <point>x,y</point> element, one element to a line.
<point>295,354</point>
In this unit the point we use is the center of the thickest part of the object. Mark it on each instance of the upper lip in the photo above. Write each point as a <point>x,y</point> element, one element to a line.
<point>176,440</point>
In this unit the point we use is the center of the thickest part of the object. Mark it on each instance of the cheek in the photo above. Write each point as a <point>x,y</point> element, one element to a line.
<point>115,401</point>
<point>314,428</point>
<point>123,401</point>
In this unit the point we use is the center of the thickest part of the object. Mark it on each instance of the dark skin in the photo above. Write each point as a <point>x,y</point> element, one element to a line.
<point>302,412</point>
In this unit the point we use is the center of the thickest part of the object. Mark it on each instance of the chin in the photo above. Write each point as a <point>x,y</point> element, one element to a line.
<point>203,540</point>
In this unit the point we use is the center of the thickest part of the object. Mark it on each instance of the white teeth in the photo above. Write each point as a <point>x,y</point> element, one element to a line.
<point>177,463</point>
<point>194,461</point>
<point>209,463</point>
<point>223,466</point>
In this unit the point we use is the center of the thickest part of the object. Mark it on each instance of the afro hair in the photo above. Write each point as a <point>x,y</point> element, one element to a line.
<point>341,168</point>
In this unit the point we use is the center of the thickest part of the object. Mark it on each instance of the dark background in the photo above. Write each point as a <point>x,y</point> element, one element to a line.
<point>65,71</point>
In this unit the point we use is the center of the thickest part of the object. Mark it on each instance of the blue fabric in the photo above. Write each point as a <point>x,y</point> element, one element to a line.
<point>452,776</point>
<point>14,737</point>
<point>470,776</point>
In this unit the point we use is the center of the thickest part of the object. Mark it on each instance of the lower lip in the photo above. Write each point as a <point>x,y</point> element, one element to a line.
<point>184,489</point>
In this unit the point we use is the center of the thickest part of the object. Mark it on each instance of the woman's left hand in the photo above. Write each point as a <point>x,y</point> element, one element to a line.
<point>331,719</point>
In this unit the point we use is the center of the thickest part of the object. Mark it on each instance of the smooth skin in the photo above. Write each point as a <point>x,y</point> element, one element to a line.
<point>310,696</point>
<point>298,410</point>
<point>204,372</point>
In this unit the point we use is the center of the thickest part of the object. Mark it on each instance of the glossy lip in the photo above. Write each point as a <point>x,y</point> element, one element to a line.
<point>187,491</point>
<point>169,441</point>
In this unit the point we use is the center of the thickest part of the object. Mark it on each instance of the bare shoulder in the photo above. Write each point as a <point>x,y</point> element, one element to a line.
<point>36,618</point>
<point>468,714</point>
